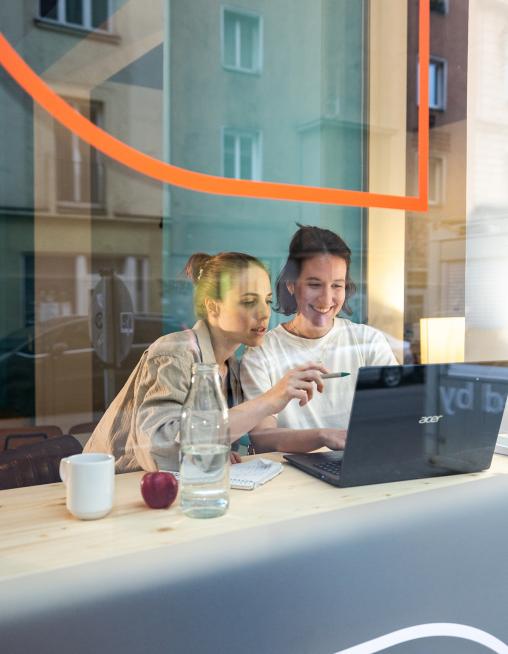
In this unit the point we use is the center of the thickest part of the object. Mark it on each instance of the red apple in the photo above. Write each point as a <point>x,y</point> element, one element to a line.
<point>159,489</point>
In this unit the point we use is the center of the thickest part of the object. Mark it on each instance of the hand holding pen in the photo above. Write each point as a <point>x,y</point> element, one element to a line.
<point>334,375</point>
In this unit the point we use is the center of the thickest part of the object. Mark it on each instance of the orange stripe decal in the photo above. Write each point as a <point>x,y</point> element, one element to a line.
<point>159,170</point>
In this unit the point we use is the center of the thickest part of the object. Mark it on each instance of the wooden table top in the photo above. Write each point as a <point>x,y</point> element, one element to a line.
<point>37,534</point>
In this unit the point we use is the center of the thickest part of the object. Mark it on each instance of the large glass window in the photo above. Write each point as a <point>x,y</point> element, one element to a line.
<point>305,94</point>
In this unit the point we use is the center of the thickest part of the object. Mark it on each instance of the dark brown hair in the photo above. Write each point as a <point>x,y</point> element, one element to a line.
<point>310,241</point>
<point>211,275</point>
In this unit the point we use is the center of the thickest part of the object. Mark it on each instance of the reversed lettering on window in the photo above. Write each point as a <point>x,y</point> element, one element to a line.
<point>462,398</point>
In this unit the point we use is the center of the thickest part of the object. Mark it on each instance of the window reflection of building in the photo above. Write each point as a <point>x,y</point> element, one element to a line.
<point>438,73</point>
<point>435,251</point>
<point>439,6</point>
<point>65,224</point>
<point>437,83</point>
<point>241,40</point>
<point>64,282</point>
<point>308,104</point>
<point>242,154</point>
<point>80,170</point>
<point>87,14</point>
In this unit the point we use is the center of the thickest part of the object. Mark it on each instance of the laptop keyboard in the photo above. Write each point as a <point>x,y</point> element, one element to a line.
<point>332,467</point>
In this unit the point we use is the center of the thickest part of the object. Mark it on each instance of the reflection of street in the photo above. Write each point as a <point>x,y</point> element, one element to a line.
<point>68,367</point>
<point>390,376</point>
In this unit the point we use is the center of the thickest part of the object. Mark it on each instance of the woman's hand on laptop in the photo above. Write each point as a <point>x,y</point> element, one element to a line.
<point>335,439</point>
<point>298,383</point>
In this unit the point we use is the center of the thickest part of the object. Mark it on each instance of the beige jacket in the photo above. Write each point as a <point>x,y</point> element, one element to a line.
<point>141,426</point>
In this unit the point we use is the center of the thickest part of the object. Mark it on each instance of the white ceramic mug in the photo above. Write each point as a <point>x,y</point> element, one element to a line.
<point>90,482</point>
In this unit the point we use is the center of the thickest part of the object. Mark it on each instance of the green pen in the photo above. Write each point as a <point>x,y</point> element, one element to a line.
<point>333,375</point>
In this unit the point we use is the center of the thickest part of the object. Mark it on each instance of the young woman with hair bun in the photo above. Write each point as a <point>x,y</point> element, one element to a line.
<point>232,301</point>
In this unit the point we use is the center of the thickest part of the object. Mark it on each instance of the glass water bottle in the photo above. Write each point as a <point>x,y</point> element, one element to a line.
<point>204,446</point>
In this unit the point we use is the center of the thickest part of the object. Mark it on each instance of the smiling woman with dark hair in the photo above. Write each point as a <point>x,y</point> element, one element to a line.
<point>308,242</point>
<point>314,285</point>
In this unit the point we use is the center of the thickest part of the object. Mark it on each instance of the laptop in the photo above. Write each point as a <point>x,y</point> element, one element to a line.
<point>425,421</point>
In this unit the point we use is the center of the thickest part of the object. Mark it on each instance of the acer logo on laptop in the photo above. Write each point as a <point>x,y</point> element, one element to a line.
<point>425,419</point>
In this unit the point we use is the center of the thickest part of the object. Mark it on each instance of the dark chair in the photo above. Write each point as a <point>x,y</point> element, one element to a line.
<point>83,431</point>
<point>14,437</point>
<point>32,465</point>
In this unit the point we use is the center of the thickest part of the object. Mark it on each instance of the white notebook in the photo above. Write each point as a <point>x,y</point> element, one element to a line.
<point>251,474</point>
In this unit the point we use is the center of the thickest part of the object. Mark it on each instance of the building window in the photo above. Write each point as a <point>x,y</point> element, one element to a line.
<point>437,84</point>
<point>241,154</point>
<point>436,180</point>
<point>241,41</point>
<point>439,6</point>
<point>80,169</point>
<point>438,73</point>
<point>87,14</point>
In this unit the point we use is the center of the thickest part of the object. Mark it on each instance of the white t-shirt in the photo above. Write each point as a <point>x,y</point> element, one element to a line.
<point>345,348</point>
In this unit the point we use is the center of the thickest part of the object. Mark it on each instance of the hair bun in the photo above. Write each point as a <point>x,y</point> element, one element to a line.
<point>194,267</point>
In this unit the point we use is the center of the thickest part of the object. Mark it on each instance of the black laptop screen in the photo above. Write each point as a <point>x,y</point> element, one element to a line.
<point>439,419</point>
